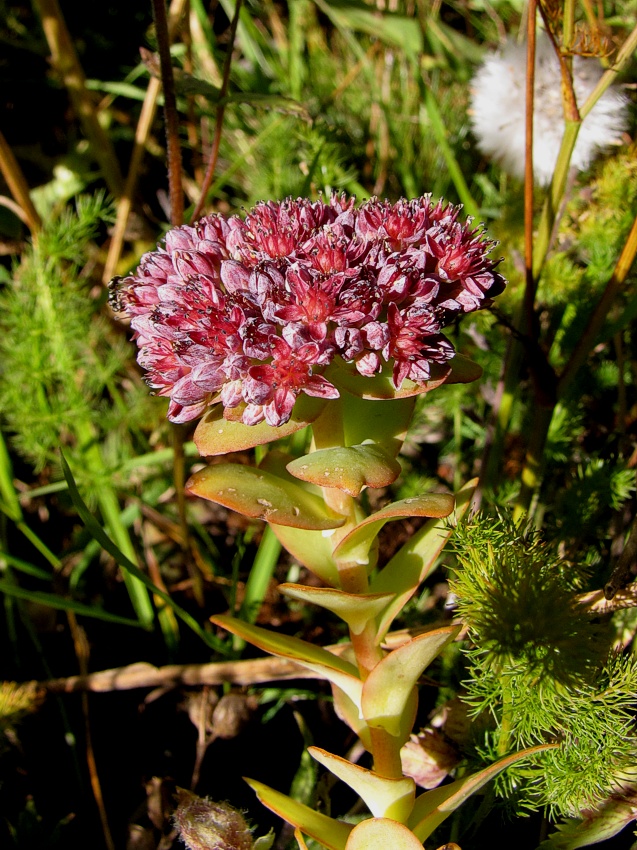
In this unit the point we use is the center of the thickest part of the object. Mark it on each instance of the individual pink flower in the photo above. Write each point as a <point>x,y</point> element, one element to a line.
<point>250,312</point>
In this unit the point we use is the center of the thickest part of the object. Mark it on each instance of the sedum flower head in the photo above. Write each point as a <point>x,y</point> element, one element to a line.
<point>251,311</point>
<point>498,110</point>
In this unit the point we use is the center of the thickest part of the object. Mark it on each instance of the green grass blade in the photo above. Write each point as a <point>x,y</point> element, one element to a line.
<point>107,544</point>
<point>53,600</point>
<point>24,566</point>
<point>455,172</point>
<point>262,570</point>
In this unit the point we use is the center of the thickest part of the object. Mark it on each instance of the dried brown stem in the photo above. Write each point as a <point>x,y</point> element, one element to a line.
<point>18,186</point>
<point>216,141</point>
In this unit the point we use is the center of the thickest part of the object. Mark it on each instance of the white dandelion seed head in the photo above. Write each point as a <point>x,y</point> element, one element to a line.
<point>498,110</point>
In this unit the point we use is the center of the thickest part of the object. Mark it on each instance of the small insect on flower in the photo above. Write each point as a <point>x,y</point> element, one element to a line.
<point>113,294</point>
<point>252,311</point>
<point>498,110</point>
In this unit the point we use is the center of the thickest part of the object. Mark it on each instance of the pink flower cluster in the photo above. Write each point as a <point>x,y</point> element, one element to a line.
<point>251,311</point>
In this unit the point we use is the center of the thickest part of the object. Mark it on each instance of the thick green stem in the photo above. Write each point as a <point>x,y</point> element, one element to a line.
<point>386,753</point>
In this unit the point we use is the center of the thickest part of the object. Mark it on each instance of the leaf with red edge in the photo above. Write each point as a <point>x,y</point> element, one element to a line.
<point>312,549</point>
<point>390,683</point>
<point>331,833</point>
<point>383,796</point>
<point>325,664</point>
<point>433,807</point>
<point>414,561</point>
<point>596,825</point>
<point>356,609</point>
<point>383,422</point>
<point>262,495</point>
<point>217,434</point>
<point>348,469</point>
<point>355,547</point>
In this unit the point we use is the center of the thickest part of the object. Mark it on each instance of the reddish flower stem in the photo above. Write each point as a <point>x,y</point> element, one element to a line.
<point>173,147</point>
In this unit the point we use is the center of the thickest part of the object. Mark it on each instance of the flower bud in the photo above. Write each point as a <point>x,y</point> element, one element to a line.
<point>204,825</point>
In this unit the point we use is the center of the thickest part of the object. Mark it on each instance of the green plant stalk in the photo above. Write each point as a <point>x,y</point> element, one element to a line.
<point>455,172</point>
<point>11,505</point>
<point>504,738</point>
<point>261,573</point>
<point>568,24</point>
<point>328,431</point>
<point>554,197</point>
<point>66,62</point>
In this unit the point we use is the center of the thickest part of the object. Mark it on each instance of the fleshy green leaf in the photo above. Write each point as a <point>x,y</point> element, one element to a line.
<point>355,547</point>
<point>383,422</point>
<point>390,683</point>
<point>355,609</point>
<point>325,664</point>
<point>382,834</point>
<point>332,833</point>
<point>216,435</point>
<point>348,469</point>
<point>349,713</point>
<point>414,561</point>
<point>313,549</point>
<point>262,495</point>
<point>434,806</point>
<point>384,797</point>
